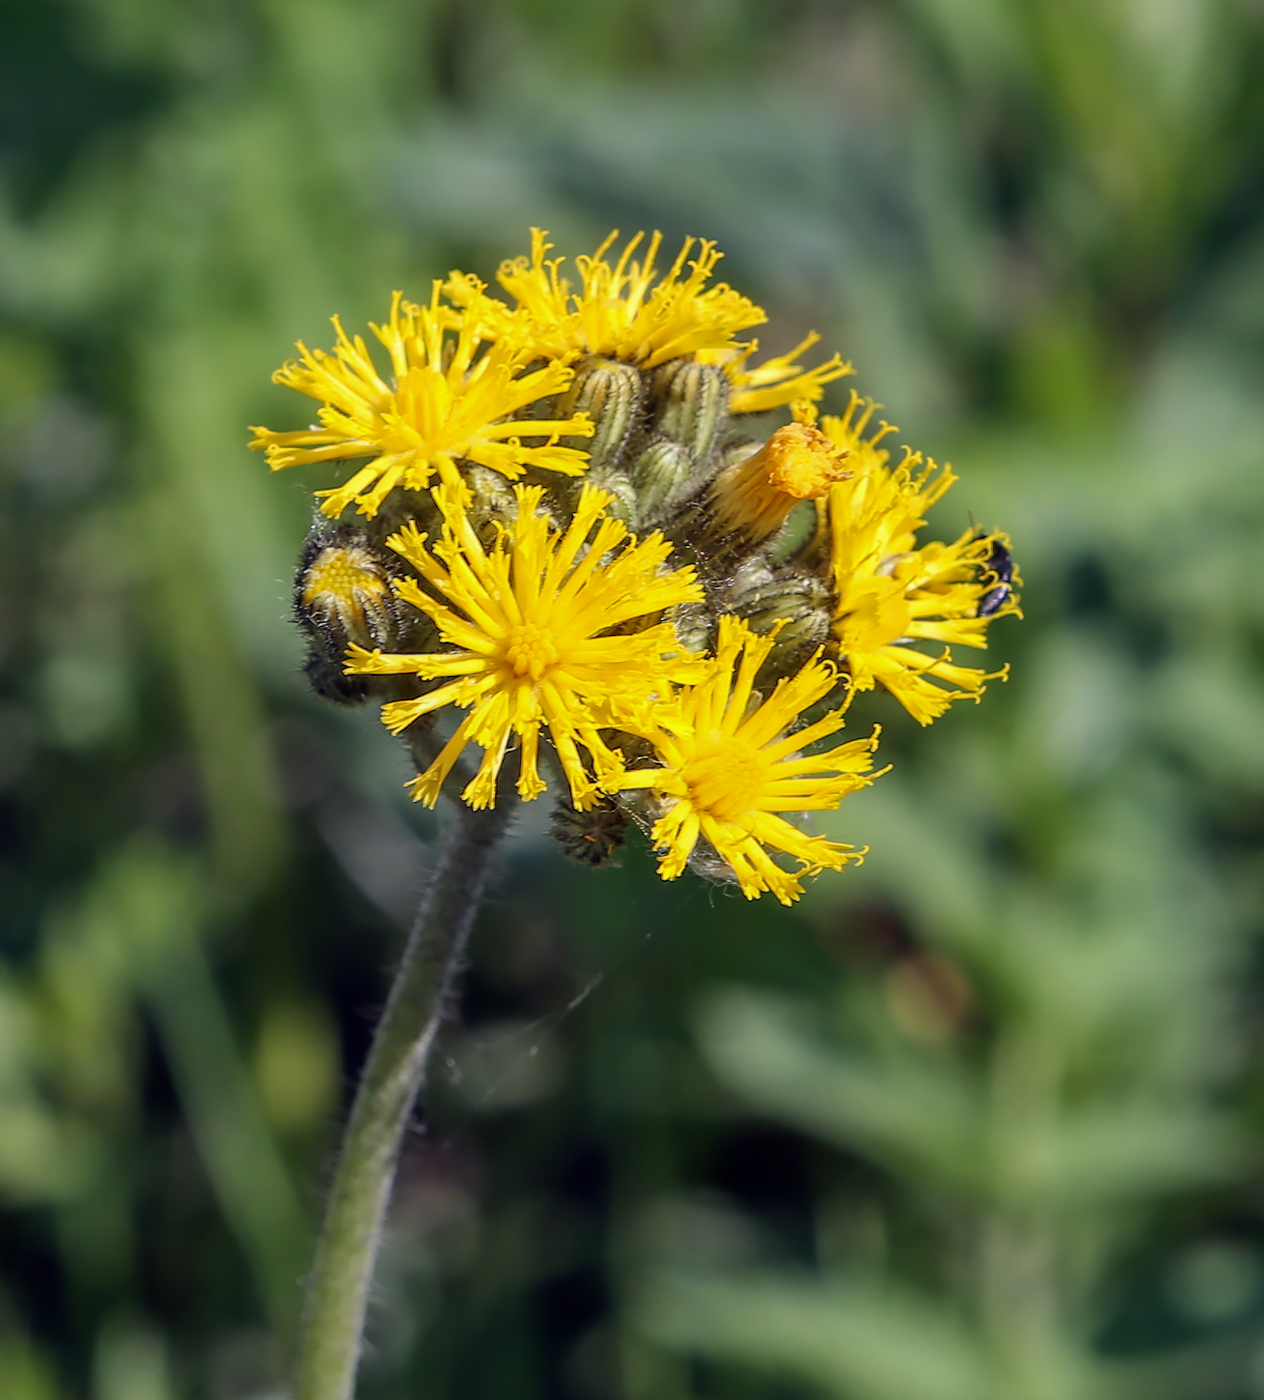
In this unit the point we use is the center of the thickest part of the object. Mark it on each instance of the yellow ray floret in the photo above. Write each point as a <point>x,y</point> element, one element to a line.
<point>528,622</point>
<point>730,769</point>
<point>451,396</point>
<point>851,432</point>
<point>779,380</point>
<point>891,595</point>
<point>625,311</point>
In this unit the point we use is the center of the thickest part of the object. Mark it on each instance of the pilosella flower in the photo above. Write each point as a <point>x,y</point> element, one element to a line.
<point>549,628</point>
<point>452,396</point>
<point>890,594</point>
<point>730,768</point>
<point>623,312</point>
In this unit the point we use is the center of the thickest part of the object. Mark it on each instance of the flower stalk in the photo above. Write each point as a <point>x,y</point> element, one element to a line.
<point>338,1286</point>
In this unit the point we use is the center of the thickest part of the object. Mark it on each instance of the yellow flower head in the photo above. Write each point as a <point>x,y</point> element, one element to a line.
<point>624,312</point>
<point>729,769</point>
<point>779,380</point>
<point>538,626</point>
<point>891,594</point>
<point>451,396</point>
<point>798,463</point>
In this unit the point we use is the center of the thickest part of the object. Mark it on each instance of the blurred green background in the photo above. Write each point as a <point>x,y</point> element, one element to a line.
<point>980,1121</point>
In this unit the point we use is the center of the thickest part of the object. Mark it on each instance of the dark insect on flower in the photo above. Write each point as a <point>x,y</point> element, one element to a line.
<point>1000,564</point>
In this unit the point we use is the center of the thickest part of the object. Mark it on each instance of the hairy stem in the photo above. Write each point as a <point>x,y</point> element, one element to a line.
<point>338,1288</point>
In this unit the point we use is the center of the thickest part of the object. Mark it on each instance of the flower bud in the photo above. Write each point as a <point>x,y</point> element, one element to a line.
<point>694,625</point>
<point>591,837</point>
<point>689,404</point>
<point>662,473</point>
<point>493,505</point>
<point>610,393</point>
<point>342,594</point>
<point>624,504</point>
<point>793,604</point>
<point>327,678</point>
<point>342,590</point>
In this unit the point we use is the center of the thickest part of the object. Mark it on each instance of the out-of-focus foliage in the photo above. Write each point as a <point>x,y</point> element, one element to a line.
<point>983,1119</point>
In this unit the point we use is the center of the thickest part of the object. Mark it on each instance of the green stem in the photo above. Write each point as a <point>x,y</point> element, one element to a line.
<point>1020,1248</point>
<point>338,1288</point>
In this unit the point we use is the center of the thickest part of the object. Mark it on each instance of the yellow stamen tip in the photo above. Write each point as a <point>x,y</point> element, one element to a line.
<point>800,461</point>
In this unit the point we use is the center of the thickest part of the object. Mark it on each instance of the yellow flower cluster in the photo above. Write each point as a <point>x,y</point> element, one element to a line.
<point>636,635</point>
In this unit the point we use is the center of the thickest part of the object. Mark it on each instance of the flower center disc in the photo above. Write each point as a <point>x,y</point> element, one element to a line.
<point>530,650</point>
<point>726,779</point>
